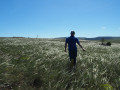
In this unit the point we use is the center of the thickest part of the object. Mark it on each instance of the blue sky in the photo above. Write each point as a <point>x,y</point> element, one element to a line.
<point>56,18</point>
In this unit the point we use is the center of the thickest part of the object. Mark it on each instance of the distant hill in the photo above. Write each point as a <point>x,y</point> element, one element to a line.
<point>99,38</point>
<point>106,38</point>
<point>95,38</point>
<point>82,38</point>
<point>12,37</point>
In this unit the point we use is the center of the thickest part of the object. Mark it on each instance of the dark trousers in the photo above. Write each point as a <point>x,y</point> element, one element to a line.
<point>73,55</point>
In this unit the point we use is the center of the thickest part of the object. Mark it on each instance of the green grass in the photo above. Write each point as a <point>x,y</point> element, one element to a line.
<point>27,64</point>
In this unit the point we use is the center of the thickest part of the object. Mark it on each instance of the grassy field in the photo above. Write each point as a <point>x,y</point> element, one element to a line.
<point>42,64</point>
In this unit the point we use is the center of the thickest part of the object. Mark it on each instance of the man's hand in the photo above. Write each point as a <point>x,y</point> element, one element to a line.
<point>81,47</point>
<point>84,49</point>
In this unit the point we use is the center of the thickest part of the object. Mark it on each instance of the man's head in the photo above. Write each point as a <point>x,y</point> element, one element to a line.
<point>72,33</point>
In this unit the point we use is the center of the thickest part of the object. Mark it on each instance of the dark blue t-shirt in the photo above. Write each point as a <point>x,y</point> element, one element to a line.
<point>72,43</point>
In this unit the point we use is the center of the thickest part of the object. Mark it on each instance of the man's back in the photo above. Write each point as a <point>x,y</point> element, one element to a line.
<point>72,43</point>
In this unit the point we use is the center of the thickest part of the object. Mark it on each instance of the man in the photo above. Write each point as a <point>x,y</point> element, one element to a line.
<point>71,41</point>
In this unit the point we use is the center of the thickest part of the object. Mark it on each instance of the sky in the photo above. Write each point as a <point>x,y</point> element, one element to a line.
<point>57,18</point>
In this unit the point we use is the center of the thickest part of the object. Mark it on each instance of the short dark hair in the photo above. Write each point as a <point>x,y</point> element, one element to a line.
<point>72,33</point>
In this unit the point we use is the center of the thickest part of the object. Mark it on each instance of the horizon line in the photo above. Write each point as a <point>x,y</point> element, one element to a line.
<point>54,37</point>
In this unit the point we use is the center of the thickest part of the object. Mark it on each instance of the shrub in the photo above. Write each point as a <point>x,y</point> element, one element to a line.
<point>108,43</point>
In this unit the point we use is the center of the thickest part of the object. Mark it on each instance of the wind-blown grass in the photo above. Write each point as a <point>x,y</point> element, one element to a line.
<point>43,64</point>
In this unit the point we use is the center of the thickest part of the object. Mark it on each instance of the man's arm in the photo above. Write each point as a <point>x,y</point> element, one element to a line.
<point>80,46</point>
<point>65,46</point>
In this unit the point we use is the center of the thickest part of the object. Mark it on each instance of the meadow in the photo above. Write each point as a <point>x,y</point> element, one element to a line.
<point>42,64</point>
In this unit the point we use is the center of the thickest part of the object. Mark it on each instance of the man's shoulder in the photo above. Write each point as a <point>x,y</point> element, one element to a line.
<point>67,38</point>
<point>76,38</point>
